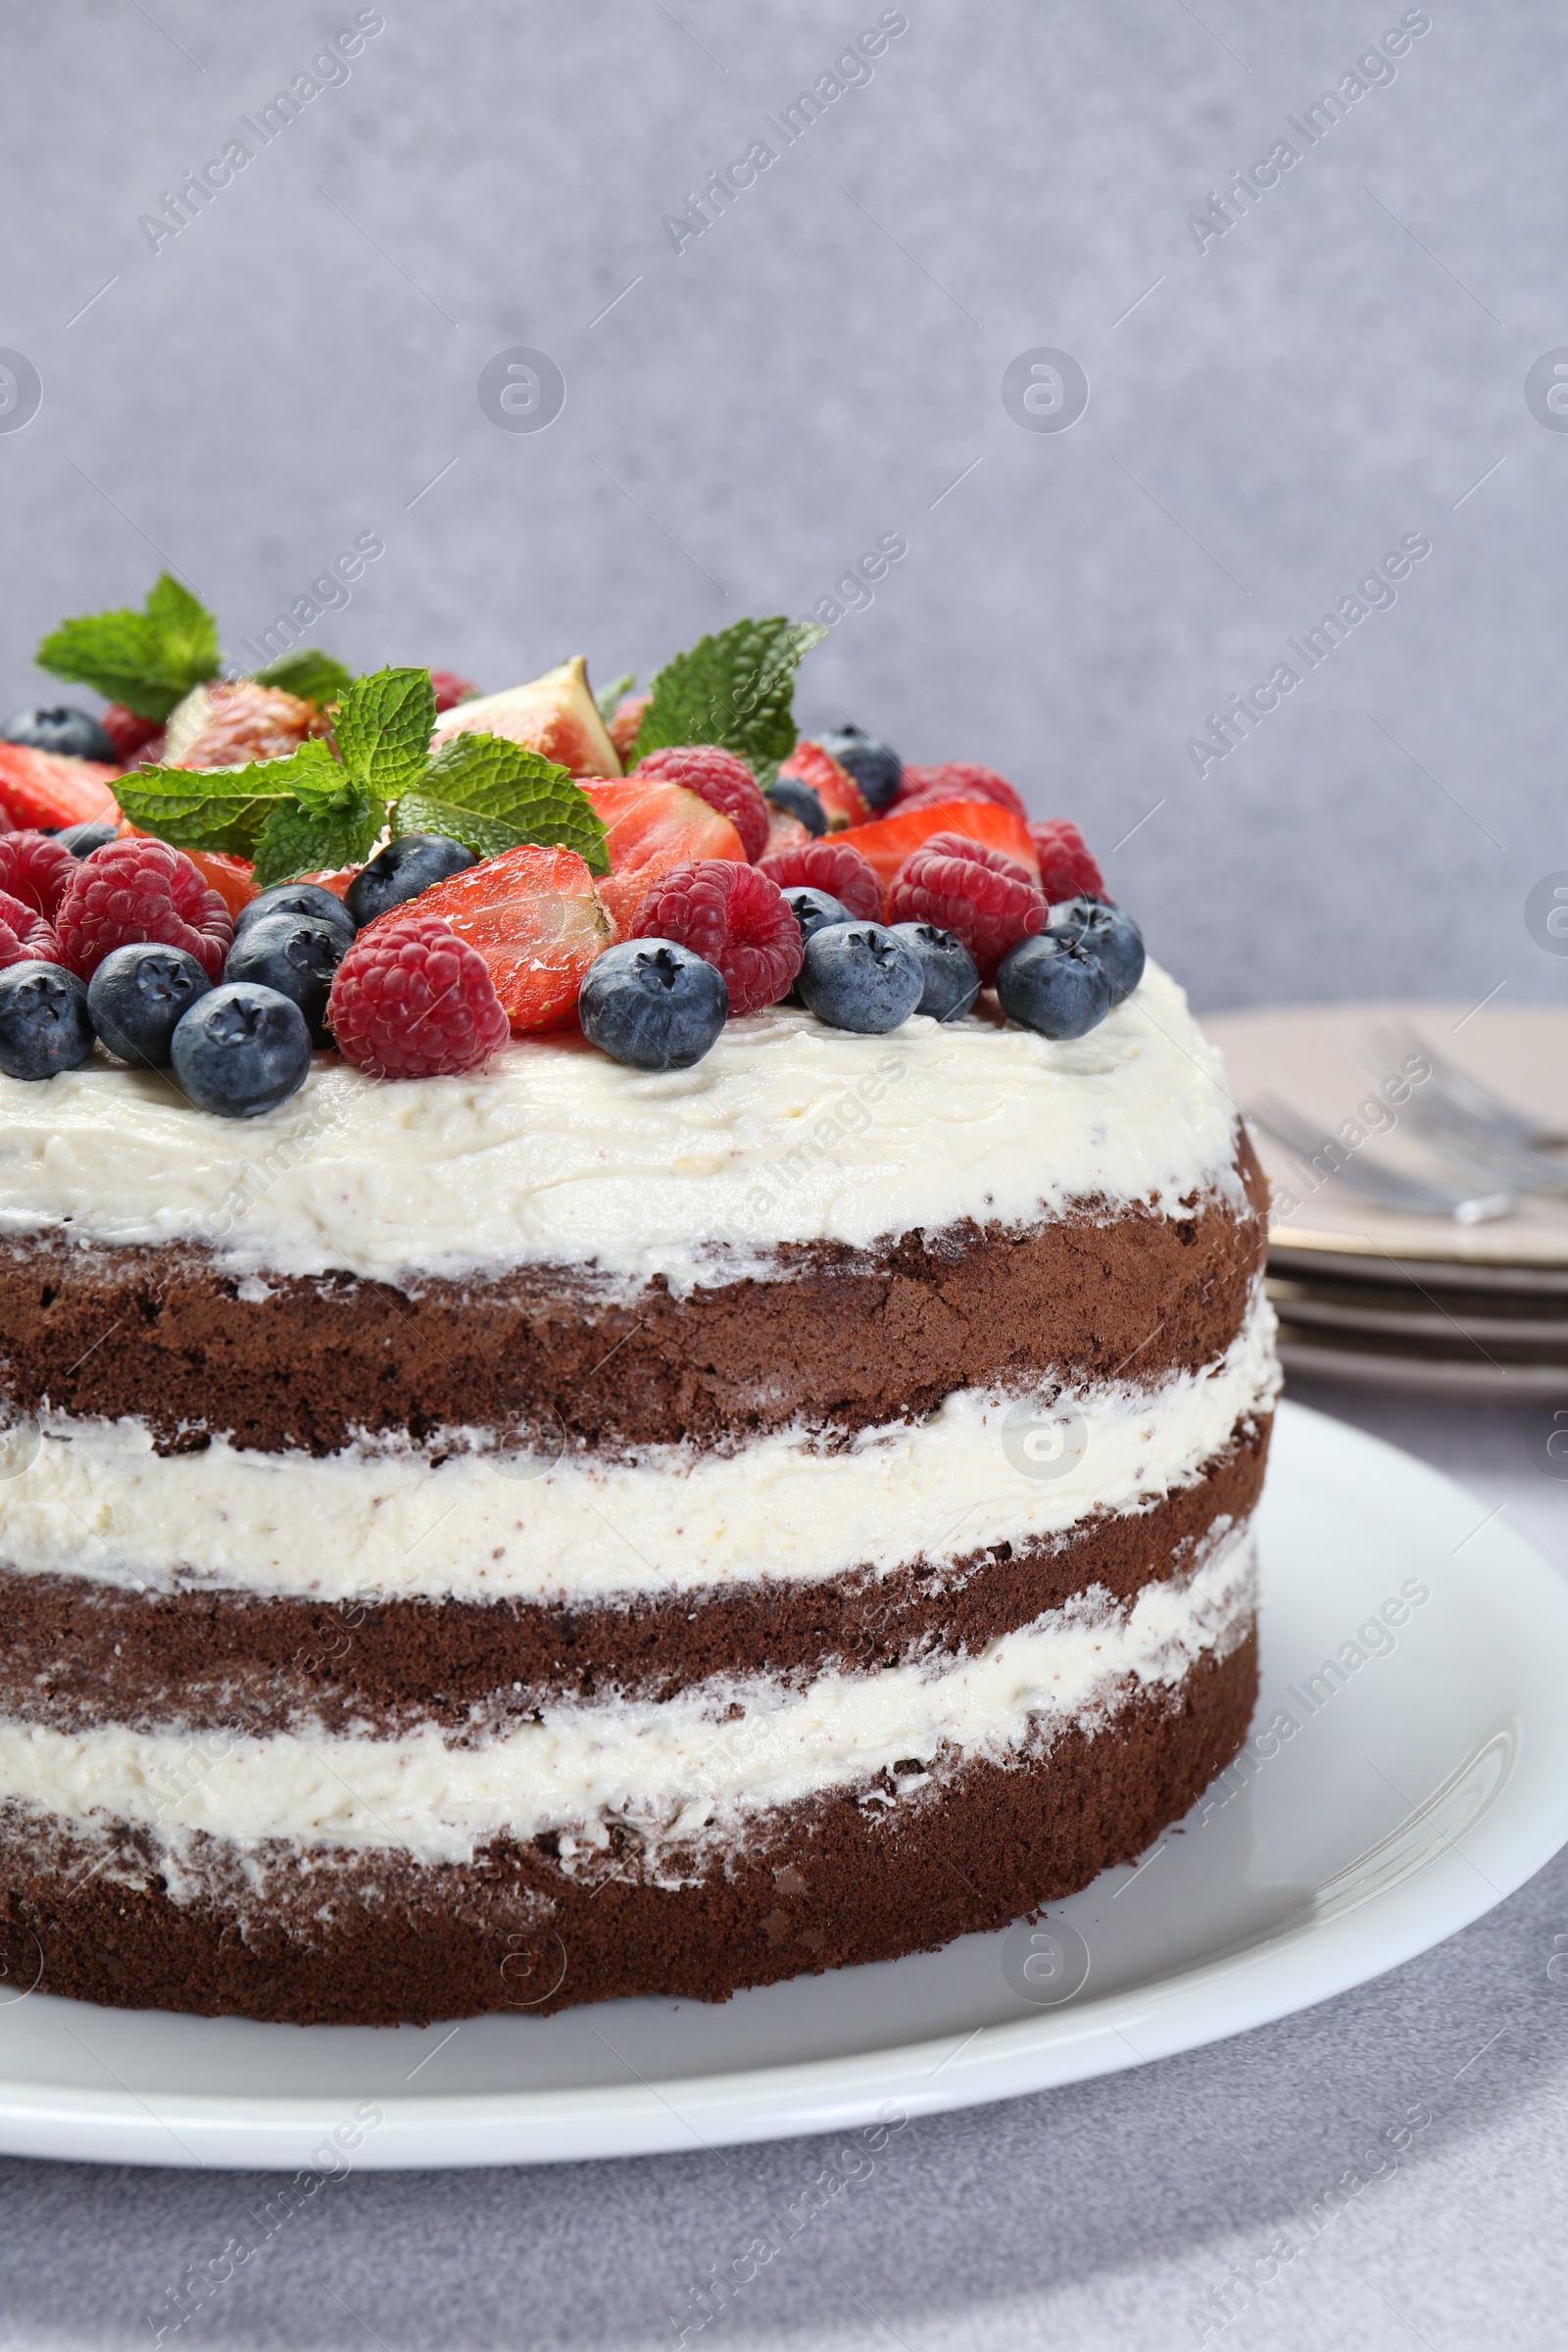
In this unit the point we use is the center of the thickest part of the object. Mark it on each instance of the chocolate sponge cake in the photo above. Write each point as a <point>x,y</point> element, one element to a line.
<point>508,1540</point>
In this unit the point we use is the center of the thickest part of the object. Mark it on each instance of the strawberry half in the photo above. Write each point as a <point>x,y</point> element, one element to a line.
<point>649,829</point>
<point>842,799</point>
<point>888,841</point>
<point>534,917</point>
<point>48,788</point>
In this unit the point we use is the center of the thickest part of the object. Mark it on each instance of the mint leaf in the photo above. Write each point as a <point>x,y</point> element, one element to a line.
<point>149,660</point>
<point>305,670</point>
<point>491,793</point>
<point>317,836</point>
<point>608,696</point>
<point>382,730</point>
<point>227,808</point>
<point>736,688</point>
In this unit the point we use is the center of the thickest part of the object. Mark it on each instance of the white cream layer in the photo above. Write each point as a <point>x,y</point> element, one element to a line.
<point>96,1501</point>
<point>788,1131</point>
<point>671,1770</point>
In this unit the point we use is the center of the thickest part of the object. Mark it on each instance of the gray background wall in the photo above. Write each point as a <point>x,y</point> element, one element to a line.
<point>815,371</point>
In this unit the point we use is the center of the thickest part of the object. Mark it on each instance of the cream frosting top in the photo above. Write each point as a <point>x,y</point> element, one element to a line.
<point>787,1131</point>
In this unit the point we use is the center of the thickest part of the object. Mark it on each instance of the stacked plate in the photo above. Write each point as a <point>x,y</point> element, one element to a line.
<point>1418,1155</point>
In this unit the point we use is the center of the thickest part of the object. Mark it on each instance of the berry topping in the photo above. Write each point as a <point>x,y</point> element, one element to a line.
<point>861,976</point>
<point>653,1004</point>
<point>83,840</point>
<point>36,868</point>
<point>1113,937</point>
<point>650,828</point>
<point>830,865</point>
<point>295,898</point>
<point>43,1020</point>
<point>139,889</point>
<point>888,841</point>
<point>76,733</point>
<point>137,998</point>
<point>241,1051</point>
<point>44,788</point>
<point>842,799</point>
<point>626,722</point>
<point>952,983</point>
<point>131,735</point>
<point>717,777</point>
<point>411,1000</point>
<point>295,954</point>
<point>799,801</point>
<point>237,721</point>
<point>1067,870</point>
<point>1053,983</point>
<point>959,780</point>
<point>735,919</point>
<point>989,901</point>
<point>875,766</point>
<point>536,919</point>
<point>814,910</point>
<point>25,936</point>
<point>451,690</point>
<point>400,871</point>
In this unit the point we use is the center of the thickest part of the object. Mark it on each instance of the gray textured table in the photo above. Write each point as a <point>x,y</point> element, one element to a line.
<point>1113,2213</point>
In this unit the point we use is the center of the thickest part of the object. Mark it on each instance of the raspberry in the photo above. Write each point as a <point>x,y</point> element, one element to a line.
<point>246,722</point>
<point>139,889</point>
<point>411,1000</point>
<point>451,690</point>
<point>957,780</point>
<point>25,935</point>
<point>128,734</point>
<point>830,865</point>
<point>988,900</point>
<point>717,777</point>
<point>1066,868</point>
<point>732,917</point>
<point>36,869</point>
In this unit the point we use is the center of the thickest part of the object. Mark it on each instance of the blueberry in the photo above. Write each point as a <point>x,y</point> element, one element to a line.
<point>814,909</point>
<point>952,983</point>
<point>861,976</point>
<point>795,798</point>
<point>1055,982</point>
<point>405,868</point>
<point>138,994</point>
<point>66,729</point>
<point>43,1020</point>
<point>653,1005</point>
<point>1114,936</point>
<point>295,898</point>
<point>875,766</point>
<point>297,954</point>
<point>241,1049</point>
<point>81,840</point>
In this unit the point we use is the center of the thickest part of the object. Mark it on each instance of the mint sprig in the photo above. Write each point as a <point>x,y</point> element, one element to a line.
<point>736,689</point>
<point>149,660</point>
<point>491,793</point>
<point>305,670</point>
<point>312,811</point>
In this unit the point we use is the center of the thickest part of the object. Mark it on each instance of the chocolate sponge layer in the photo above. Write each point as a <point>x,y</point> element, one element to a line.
<point>372,1939</point>
<point>833,1336</point>
<point>76,1653</point>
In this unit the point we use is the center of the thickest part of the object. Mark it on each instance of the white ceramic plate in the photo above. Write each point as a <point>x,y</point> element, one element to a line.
<point>1410,1792</point>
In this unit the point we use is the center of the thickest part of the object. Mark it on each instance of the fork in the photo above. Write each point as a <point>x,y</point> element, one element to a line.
<point>1465,1204</point>
<point>1468,1095</point>
<point>1474,1130</point>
